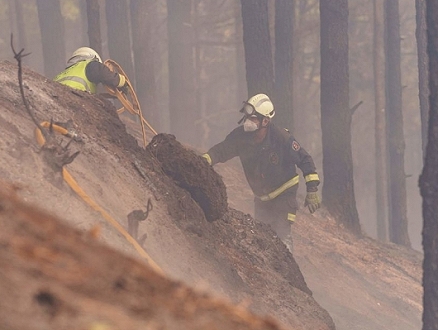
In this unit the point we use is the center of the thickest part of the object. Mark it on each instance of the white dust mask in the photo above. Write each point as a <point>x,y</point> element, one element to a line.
<point>249,126</point>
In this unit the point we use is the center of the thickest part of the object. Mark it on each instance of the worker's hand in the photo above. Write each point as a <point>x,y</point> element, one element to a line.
<point>313,202</point>
<point>124,89</point>
<point>207,158</point>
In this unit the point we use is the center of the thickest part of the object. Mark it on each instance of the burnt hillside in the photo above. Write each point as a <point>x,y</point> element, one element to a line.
<point>58,272</point>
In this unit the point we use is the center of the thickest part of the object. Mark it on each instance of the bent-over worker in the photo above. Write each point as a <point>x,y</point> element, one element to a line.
<point>85,70</point>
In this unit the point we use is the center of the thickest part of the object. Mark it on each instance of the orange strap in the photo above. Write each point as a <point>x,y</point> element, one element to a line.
<point>78,190</point>
<point>129,100</point>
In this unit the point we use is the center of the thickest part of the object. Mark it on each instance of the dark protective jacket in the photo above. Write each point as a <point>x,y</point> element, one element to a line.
<point>270,164</point>
<point>85,75</point>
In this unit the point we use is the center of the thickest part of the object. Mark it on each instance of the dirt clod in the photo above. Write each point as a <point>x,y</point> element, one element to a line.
<point>192,173</point>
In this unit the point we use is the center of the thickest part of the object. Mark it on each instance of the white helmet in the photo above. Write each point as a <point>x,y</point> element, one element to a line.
<point>260,104</point>
<point>82,54</point>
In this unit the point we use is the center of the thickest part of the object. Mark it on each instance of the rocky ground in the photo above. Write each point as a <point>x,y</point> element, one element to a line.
<point>188,272</point>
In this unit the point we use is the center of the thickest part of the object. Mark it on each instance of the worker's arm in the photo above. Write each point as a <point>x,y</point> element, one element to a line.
<point>99,73</point>
<point>224,150</point>
<point>305,162</point>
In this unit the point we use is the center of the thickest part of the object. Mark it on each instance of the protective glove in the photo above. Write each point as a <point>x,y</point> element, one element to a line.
<point>207,158</point>
<point>124,89</point>
<point>313,202</point>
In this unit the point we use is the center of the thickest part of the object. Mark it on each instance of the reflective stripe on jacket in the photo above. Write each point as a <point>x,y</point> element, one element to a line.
<point>285,186</point>
<point>75,77</point>
<point>270,167</point>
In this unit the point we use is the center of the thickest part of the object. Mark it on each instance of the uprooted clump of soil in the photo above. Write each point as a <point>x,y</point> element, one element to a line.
<point>192,173</point>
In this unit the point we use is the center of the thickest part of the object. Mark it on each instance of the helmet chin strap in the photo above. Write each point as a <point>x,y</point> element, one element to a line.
<point>266,120</point>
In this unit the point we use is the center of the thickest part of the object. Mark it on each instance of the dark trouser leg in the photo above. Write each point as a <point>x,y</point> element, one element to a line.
<point>278,212</point>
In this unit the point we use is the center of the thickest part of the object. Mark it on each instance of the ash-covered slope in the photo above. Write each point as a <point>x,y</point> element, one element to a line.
<point>56,277</point>
<point>362,283</point>
<point>233,258</point>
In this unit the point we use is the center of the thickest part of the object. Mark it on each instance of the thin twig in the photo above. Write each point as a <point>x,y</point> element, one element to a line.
<point>18,56</point>
<point>56,155</point>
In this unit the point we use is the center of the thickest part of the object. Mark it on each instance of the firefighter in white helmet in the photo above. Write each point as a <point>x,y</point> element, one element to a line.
<point>269,157</point>
<point>85,70</point>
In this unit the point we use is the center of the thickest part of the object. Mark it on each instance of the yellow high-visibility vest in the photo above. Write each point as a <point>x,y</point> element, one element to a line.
<point>75,77</point>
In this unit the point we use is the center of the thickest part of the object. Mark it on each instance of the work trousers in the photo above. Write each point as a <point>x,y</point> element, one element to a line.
<point>276,212</point>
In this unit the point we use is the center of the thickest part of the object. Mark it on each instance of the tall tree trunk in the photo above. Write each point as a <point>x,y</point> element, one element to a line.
<point>93,19</point>
<point>257,43</point>
<point>304,74</point>
<point>22,38</point>
<point>52,36</point>
<point>338,188</point>
<point>429,180</point>
<point>84,22</point>
<point>20,35</point>
<point>13,22</point>
<point>398,222</point>
<point>204,128</point>
<point>242,89</point>
<point>16,25</point>
<point>379,127</point>
<point>423,79</point>
<point>119,44</point>
<point>182,99</point>
<point>284,16</point>
<point>142,18</point>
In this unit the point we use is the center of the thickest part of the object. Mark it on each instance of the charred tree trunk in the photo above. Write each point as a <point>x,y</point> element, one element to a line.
<point>142,17</point>
<point>204,129</point>
<point>379,126</point>
<point>257,43</point>
<point>93,19</point>
<point>284,16</point>
<point>119,44</point>
<point>17,25</point>
<point>242,89</point>
<point>338,188</point>
<point>398,222</point>
<point>52,36</point>
<point>423,79</point>
<point>22,37</point>
<point>82,5</point>
<point>429,180</point>
<point>182,99</point>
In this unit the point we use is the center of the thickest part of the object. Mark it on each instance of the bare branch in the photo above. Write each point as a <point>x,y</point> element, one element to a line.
<point>55,155</point>
<point>18,56</point>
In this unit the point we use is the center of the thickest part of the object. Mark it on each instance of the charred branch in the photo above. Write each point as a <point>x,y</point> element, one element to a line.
<point>56,155</point>
<point>18,57</point>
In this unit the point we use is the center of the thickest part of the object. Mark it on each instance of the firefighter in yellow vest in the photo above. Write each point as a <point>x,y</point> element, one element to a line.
<point>85,70</point>
<point>269,157</point>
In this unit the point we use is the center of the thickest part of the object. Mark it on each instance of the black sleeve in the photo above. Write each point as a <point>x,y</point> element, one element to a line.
<point>305,162</point>
<point>226,149</point>
<point>99,73</point>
